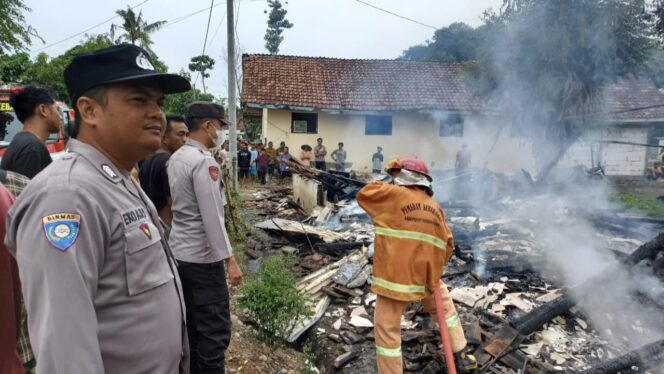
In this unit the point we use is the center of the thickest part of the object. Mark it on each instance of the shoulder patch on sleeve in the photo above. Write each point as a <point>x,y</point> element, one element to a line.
<point>61,229</point>
<point>214,173</point>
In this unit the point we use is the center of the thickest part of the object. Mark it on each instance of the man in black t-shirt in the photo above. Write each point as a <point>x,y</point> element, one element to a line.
<point>27,153</point>
<point>153,174</point>
<point>244,163</point>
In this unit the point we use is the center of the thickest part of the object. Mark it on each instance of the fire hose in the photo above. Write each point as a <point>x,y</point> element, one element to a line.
<point>444,331</point>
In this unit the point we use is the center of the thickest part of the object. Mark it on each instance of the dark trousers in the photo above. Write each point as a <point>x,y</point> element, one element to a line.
<point>208,315</point>
<point>320,165</point>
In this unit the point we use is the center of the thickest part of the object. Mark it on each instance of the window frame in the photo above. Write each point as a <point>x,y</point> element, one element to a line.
<point>310,118</point>
<point>382,121</point>
<point>454,125</point>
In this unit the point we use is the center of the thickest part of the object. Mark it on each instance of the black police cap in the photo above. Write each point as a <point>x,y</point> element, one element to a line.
<point>206,109</point>
<point>119,63</point>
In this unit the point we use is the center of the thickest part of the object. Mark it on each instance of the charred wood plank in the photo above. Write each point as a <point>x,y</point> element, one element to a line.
<point>653,353</point>
<point>346,358</point>
<point>534,320</point>
<point>337,249</point>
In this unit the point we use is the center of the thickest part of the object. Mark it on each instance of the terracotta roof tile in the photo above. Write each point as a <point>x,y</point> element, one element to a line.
<point>330,83</point>
<point>628,94</point>
<point>374,85</point>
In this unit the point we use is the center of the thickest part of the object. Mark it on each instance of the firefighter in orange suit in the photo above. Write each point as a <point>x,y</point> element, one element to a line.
<point>412,245</point>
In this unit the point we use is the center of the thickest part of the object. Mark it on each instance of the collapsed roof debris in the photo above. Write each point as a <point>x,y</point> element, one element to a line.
<point>519,312</point>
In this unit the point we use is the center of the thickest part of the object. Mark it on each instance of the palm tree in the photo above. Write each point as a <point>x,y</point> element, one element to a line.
<point>135,29</point>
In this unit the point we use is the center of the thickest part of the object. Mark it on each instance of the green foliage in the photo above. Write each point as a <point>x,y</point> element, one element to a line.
<point>658,13</point>
<point>50,72</point>
<point>276,24</point>
<point>15,35</point>
<point>135,29</point>
<point>309,359</point>
<point>252,128</point>
<point>177,103</point>
<point>202,64</point>
<point>456,42</point>
<point>647,205</point>
<point>12,67</point>
<point>272,300</point>
<point>553,58</point>
<point>654,68</point>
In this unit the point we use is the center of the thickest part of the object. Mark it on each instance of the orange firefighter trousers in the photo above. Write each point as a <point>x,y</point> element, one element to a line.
<point>387,329</point>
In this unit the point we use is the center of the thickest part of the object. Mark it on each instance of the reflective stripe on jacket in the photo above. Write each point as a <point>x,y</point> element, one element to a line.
<point>412,242</point>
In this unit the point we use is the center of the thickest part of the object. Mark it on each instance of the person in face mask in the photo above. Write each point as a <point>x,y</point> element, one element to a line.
<point>199,239</point>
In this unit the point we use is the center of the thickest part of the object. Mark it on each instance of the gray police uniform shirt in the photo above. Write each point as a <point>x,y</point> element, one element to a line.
<point>198,233</point>
<point>99,282</point>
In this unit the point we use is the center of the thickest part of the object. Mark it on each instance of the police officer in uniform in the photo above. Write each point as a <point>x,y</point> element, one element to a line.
<point>199,239</point>
<point>99,280</point>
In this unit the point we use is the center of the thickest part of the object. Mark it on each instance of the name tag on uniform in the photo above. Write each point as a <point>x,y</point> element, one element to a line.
<point>131,216</point>
<point>61,229</point>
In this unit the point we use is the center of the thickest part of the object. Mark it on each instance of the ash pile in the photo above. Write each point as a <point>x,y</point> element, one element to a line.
<point>542,283</point>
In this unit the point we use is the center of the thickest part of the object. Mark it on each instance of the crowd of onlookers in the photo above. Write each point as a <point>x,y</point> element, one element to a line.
<point>262,162</point>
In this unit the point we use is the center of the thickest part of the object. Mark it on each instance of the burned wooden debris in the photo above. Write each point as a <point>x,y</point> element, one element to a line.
<point>649,356</point>
<point>517,314</point>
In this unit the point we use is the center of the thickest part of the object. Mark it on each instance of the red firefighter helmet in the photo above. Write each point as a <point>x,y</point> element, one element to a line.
<point>416,165</point>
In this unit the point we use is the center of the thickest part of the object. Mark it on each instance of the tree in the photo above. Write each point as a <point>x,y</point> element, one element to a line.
<point>658,14</point>
<point>276,24</point>
<point>548,61</point>
<point>456,42</point>
<point>135,28</point>
<point>12,67</point>
<point>15,35</point>
<point>202,64</point>
<point>176,104</point>
<point>49,73</point>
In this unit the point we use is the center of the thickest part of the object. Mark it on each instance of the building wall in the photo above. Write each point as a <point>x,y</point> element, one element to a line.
<point>412,134</point>
<point>418,134</point>
<point>617,159</point>
<point>656,138</point>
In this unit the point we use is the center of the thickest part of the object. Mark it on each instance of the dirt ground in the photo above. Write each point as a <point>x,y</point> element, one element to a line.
<point>247,353</point>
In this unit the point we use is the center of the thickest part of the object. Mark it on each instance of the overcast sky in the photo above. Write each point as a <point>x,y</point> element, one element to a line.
<point>330,28</point>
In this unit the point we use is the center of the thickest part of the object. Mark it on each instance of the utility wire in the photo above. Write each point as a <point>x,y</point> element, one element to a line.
<point>207,30</point>
<point>216,31</point>
<point>86,30</point>
<point>187,16</point>
<point>397,15</point>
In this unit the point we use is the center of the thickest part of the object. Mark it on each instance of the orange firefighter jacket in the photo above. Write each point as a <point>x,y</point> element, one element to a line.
<point>412,244</point>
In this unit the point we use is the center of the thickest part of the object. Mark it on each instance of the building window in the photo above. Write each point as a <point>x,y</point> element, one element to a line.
<point>304,123</point>
<point>378,125</point>
<point>451,127</point>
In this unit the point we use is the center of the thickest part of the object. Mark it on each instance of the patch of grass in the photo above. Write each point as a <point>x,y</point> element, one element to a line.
<point>272,300</point>
<point>237,228</point>
<point>309,359</point>
<point>647,205</point>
